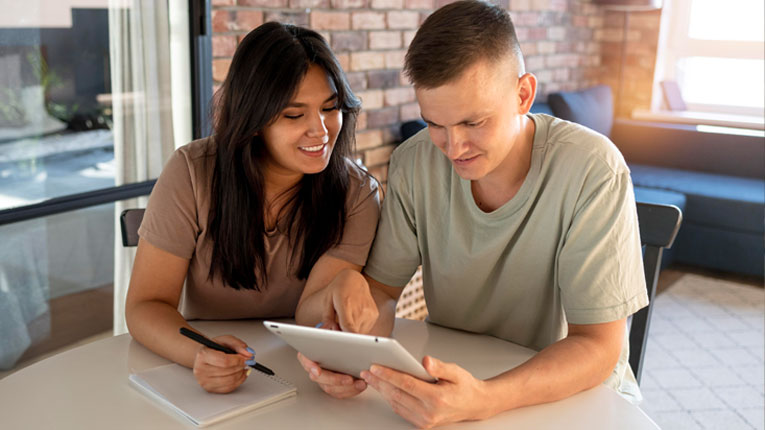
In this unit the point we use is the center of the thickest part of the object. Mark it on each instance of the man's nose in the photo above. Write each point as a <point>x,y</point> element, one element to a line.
<point>455,142</point>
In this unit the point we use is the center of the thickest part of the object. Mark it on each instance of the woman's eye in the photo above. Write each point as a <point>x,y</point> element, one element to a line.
<point>331,108</point>
<point>293,116</point>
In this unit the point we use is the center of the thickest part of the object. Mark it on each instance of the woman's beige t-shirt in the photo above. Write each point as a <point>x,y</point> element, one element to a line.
<point>176,221</point>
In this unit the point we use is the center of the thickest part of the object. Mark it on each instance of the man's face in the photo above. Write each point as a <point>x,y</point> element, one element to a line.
<point>475,120</point>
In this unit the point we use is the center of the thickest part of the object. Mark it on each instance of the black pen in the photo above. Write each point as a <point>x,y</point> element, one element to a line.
<point>218,347</point>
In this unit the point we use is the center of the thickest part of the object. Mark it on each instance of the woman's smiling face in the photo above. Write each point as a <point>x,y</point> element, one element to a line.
<point>300,140</point>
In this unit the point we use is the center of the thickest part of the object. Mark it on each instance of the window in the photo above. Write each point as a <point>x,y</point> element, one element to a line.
<point>94,96</point>
<point>714,51</point>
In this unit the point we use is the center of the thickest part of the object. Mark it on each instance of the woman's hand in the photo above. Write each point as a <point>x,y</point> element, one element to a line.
<point>218,372</point>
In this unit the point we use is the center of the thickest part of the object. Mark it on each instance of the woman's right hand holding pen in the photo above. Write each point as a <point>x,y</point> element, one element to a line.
<point>218,372</point>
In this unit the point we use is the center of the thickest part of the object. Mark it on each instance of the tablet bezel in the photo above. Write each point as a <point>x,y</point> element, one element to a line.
<point>348,353</point>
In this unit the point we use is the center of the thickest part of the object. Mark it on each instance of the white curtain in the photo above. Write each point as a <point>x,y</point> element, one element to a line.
<point>146,130</point>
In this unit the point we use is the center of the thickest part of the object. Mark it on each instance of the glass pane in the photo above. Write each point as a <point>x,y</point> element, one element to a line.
<point>56,276</point>
<point>722,81</point>
<point>727,20</point>
<point>55,108</point>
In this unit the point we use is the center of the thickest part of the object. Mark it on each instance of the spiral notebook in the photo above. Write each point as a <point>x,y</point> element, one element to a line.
<point>175,387</point>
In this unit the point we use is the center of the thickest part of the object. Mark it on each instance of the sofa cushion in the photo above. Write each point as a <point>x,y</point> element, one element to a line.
<point>727,202</point>
<point>593,107</point>
<point>540,107</point>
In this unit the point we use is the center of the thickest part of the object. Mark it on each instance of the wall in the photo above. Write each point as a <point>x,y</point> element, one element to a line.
<point>568,45</point>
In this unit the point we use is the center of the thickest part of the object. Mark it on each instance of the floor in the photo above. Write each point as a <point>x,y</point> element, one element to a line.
<point>704,360</point>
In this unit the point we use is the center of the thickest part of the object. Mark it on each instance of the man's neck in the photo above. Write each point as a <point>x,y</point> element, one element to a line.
<point>501,185</point>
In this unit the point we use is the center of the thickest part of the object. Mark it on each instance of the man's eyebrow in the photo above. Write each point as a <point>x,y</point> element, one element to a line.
<point>294,104</point>
<point>464,121</point>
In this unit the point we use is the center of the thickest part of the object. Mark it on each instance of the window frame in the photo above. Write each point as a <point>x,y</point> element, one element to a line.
<point>676,44</point>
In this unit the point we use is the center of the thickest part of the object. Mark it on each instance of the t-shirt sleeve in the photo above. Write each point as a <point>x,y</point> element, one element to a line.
<point>395,253</point>
<point>360,224</point>
<point>600,264</point>
<point>170,221</point>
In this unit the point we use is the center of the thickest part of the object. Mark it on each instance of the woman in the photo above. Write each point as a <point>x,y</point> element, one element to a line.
<point>267,218</point>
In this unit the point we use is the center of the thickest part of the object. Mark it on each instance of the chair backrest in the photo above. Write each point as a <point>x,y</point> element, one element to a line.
<point>658,227</point>
<point>130,220</point>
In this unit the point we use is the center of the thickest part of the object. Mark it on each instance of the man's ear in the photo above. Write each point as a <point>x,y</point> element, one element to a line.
<point>527,90</point>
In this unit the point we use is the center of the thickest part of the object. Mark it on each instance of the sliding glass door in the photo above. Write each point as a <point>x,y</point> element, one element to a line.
<point>94,97</point>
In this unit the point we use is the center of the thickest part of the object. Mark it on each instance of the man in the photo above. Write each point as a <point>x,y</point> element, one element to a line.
<point>525,227</point>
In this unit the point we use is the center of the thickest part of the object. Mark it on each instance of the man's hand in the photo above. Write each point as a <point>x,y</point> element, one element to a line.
<point>350,303</point>
<point>337,385</point>
<point>457,396</point>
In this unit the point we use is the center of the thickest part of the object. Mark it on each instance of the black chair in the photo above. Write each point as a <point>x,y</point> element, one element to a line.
<point>130,220</point>
<point>658,228</point>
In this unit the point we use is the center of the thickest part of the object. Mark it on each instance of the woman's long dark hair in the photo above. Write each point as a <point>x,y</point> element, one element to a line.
<point>265,72</point>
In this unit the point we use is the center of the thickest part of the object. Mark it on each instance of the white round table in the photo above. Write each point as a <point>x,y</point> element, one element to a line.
<point>87,388</point>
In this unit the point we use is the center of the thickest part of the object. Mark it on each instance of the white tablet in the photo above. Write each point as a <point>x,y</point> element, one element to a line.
<point>348,352</point>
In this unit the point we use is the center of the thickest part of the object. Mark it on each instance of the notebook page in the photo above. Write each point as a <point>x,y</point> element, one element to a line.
<point>175,387</point>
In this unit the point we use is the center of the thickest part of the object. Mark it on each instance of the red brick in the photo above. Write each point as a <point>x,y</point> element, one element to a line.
<point>348,4</point>
<point>441,3</point>
<point>556,33</point>
<point>387,4</point>
<point>223,46</point>
<point>221,21</point>
<point>410,111</point>
<point>534,62</point>
<point>361,121</point>
<point>264,3</point>
<point>367,60</point>
<point>526,19</point>
<point>383,78</point>
<point>377,156</point>
<point>248,19</point>
<point>419,4</point>
<point>546,47</point>
<point>300,4</point>
<point>330,20</point>
<point>540,4</point>
<point>220,69</point>
<point>394,59</point>
<point>403,19</point>
<point>368,139</point>
<point>348,41</point>
<point>382,117</point>
<point>371,99</point>
<point>295,18</point>
<point>520,5</point>
<point>344,60</point>
<point>384,39</point>
<point>357,80</point>
<point>223,2</point>
<point>399,96</point>
<point>368,20</point>
<point>408,36</point>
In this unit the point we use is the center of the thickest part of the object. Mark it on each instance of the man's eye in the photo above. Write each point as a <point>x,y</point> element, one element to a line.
<point>475,124</point>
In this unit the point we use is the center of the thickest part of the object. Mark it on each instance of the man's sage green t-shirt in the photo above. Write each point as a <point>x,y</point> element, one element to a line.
<point>564,249</point>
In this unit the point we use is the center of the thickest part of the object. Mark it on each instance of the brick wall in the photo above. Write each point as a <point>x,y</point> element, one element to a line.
<point>642,38</point>
<point>568,45</point>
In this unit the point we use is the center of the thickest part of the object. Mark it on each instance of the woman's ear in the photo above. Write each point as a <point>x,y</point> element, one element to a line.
<point>527,90</point>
